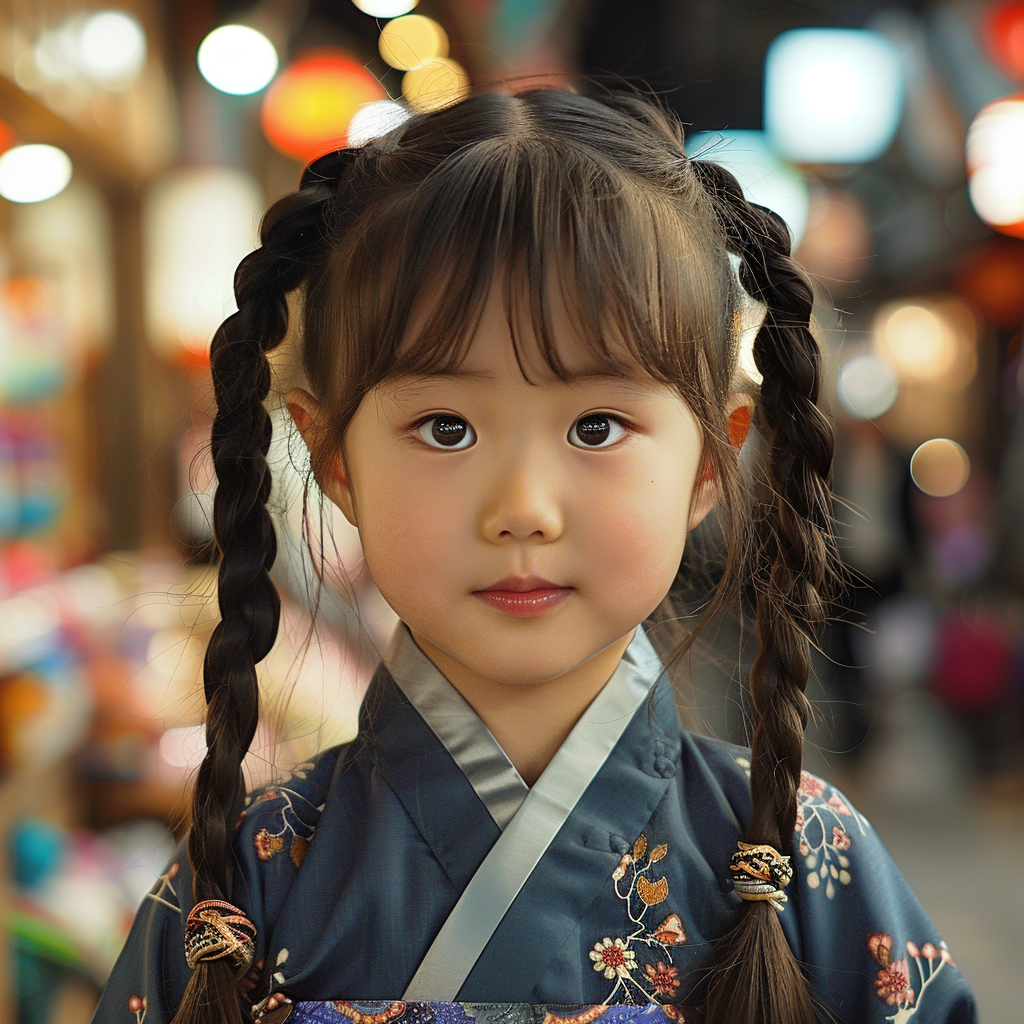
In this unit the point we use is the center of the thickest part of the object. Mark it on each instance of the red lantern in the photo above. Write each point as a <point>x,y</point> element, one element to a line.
<point>307,108</point>
<point>1003,32</point>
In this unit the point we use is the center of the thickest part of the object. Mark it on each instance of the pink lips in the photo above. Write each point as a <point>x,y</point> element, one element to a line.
<point>524,597</point>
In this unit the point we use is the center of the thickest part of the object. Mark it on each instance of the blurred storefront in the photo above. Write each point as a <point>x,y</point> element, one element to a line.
<point>138,145</point>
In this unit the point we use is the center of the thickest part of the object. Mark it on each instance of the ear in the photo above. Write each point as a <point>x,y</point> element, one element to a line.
<point>331,474</point>
<point>739,410</point>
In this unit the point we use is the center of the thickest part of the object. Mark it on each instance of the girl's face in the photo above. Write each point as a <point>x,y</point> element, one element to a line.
<point>522,528</point>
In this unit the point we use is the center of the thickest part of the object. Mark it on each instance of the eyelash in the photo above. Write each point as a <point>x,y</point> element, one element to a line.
<point>419,429</point>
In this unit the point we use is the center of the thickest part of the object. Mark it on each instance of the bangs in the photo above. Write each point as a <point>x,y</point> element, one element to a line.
<point>554,225</point>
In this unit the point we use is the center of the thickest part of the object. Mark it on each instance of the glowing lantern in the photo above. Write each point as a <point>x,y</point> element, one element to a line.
<point>198,225</point>
<point>832,95</point>
<point>307,110</point>
<point>766,180</point>
<point>940,467</point>
<point>995,164</point>
<point>436,83</point>
<point>408,42</point>
<point>1003,32</point>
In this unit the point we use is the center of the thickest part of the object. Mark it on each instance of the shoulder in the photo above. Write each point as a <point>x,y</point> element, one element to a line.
<point>717,771</point>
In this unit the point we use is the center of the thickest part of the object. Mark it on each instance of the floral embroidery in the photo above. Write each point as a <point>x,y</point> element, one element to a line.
<point>616,958</point>
<point>165,881</point>
<point>893,983</point>
<point>823,850</point>
<point>613,958</point>
<point>137,1005</point>
<point>294,833</point>
<point>665,980</point>
<point>388,1012</point>
<point>823,833</point>
<point>266,844</point>
<point>811,785</point>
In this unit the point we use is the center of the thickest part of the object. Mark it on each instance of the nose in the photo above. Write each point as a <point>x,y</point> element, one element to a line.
<point>523,503</point>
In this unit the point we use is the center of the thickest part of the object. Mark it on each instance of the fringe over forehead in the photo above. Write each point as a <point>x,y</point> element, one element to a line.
<point>541,191</point>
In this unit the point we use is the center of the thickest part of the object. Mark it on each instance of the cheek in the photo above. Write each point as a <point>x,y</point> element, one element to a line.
<point>409,533</point>
<point>637,540</point>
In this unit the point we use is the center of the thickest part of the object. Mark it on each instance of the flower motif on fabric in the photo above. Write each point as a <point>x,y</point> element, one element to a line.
<point>137,1005</point>
<point>894,983</point>
<point>824,822</point>
<point>613,958</point>
<point>617,958</point>
<point>294,833</point>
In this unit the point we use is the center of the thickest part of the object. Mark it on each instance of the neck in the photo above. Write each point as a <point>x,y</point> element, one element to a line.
<point>530,721</point>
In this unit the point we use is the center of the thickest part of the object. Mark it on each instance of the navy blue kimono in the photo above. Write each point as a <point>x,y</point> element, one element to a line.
<point>351,866</point>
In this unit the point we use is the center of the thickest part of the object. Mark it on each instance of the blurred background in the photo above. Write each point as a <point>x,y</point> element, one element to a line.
<point>138,146</point>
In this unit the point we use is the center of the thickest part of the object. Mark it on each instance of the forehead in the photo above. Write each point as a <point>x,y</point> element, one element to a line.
<point>507,338</point>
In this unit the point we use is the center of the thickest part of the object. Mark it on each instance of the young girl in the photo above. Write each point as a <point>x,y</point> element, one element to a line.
<point>518,329</point>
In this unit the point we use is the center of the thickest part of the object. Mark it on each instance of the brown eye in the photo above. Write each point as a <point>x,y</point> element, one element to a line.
<point>596,431</point>
<point>451,432</point>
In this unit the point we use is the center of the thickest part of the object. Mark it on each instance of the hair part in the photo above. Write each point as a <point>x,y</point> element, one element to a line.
<point>397,246</point>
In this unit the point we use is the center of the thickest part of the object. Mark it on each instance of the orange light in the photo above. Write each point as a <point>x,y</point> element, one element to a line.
<point>7,137</point>
<point>307,109</point>
<point>1003,33</point>
<point>993,279</point>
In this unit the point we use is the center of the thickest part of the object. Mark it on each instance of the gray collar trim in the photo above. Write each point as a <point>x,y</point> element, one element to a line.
<point>491,774</point>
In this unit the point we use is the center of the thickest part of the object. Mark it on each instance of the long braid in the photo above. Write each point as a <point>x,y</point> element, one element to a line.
<point>757,977</point>
<point>295,235</point>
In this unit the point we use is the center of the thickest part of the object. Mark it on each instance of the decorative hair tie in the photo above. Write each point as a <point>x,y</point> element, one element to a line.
<point>760,873</point>
<point>215,929</point>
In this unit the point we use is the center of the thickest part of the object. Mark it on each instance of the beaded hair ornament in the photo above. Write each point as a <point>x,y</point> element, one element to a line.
<point>760,873</point>
<point>215,929</point>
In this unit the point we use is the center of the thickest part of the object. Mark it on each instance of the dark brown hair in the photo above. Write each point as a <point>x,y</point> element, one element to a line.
<point>595,196</point>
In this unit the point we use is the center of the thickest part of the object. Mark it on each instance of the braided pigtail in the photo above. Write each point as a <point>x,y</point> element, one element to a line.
<point>219,938</point>
<point>756,979</point>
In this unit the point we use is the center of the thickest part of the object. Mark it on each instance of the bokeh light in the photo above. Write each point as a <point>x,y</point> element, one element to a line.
<point>940,467</point>
<point>30,174</point>
<point>832,95</point>
<point>1003,33</point>
<point>385,8</point>
<point>766,179</point>
<point>435,83</point>
<point>112,47</point>
<point>198,224</point>
<point>374,119</point>
<point>867,387</point>
<point>995,162</point>
<point>993,279</point>
<point>237,59</point>
<point>307,110</point>
<point>408,42</point>
<point>928,340</point>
